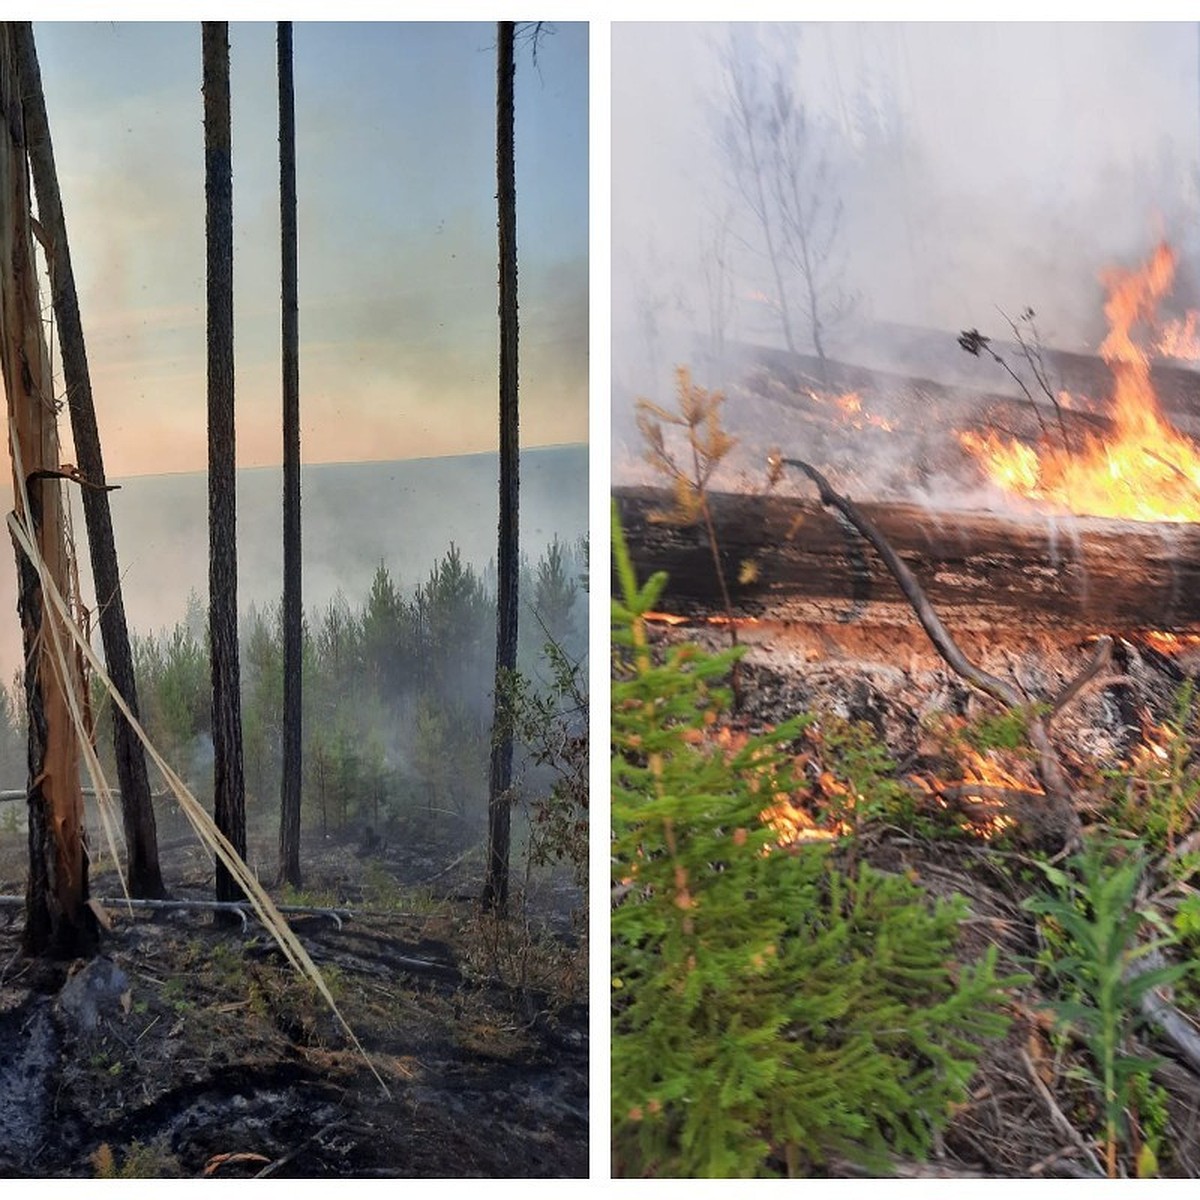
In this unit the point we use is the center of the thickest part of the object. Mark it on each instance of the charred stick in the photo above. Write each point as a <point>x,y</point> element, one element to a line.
<point>1059,1119</point>
<point>943,643</point>
<point>1049,770</point>
<point>1170,1023</point>
<point>972,341</point>
<point>1033,356</point>
<point>987,791</point>
<point>1101,657</point>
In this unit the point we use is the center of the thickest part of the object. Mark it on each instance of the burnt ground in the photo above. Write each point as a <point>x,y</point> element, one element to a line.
<point>187,1049</point>
<point>1033,1104</point>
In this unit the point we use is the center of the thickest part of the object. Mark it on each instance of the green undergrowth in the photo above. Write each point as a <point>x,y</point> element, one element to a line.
<point>771,1009</point>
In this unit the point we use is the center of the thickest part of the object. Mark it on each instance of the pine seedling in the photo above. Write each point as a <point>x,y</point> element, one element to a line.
<point>770,1010</point>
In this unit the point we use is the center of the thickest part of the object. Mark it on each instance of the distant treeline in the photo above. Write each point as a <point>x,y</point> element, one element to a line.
<point>397,694</point>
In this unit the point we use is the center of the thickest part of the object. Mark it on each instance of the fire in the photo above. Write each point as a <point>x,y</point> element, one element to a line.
<point>716,619</point>
<point>1145,469</point>
<point>988,818</point>
<point>1180,339</point>
<point>791,824</point>
<point>850,405</point>
<point>1156,743</point>
<point>1171,643</point>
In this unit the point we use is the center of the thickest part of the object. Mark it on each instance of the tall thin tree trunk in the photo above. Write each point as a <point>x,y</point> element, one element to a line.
<point>495,893</point>
<point>229,801</point>
<point>57,919</point>
<point>145,875</point>
<point>289,823</point>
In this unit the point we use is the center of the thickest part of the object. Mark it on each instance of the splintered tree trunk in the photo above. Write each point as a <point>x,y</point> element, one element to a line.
<point>495,893</point>
<point>289,823</point>
<point>145,876</point>
<point>229,803</point>
<point>58,920</point>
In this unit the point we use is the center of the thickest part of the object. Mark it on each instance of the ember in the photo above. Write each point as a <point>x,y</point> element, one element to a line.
<point>850,405</point>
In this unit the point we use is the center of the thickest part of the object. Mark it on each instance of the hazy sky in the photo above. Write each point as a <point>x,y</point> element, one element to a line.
<point>1010,164</point>
<point>397,230</point>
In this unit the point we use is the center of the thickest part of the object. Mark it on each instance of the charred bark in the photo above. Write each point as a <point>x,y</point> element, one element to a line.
<point>495,892</point>
<point>289,823</point>
<point>145,876</point>
<point>789,559</point>
<point>58,921</point>
<point>229,804</point>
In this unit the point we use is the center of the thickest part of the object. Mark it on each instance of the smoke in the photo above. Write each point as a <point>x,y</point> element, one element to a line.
<point>979,168</point>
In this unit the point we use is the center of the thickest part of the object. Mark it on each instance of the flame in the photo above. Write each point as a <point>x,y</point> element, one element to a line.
<point>1156,743</point>
<point>717,619</point>
<point>1180,339</point>
<point>988,818</point>
<point>1145,469</point>
<point>792,824</point>
<point>1170,643</point>
<point>850,406</point>
<point>663,618</point>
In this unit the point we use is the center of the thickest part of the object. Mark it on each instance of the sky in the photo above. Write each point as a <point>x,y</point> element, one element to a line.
<point>397,236</point>
<point>980,166</point>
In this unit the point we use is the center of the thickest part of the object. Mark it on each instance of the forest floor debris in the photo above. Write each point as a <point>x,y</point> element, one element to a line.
<point>189,1050</point>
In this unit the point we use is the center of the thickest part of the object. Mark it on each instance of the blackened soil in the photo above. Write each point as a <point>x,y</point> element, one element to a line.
<point>198,1051</point>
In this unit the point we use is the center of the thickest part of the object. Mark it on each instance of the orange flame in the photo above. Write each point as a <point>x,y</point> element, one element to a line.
<point>1145,469</point>
<point>850,405</point>
<point>1171,643</point>
<point>1180,339</point>
<point>987,816</point>
<point>791,824</point>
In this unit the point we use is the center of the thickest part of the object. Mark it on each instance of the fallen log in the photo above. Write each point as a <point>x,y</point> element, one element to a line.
<point>790,559</point>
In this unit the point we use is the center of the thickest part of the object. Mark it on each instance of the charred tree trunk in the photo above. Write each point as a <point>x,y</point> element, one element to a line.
<point>145,875</point>
<point>789,559</point>
<point>229,803</point>
<point>58,920</point>
<point>289,823</point>
<point>495,892</point>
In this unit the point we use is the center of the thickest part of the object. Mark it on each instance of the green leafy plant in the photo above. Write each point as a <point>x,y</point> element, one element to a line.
<point>549,718</point>
<point>1102,975</point>
<point>1008,730</point>
<point>770,1009</point>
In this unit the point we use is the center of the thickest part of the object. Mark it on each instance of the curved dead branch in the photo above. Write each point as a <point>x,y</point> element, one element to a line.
<point>939,635</point>
<point>1101,658</point>
<point>1061,820</point>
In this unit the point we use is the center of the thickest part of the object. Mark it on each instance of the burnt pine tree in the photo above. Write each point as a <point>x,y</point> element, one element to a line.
<point>229,801</point>
<point>508,565</point>
<point>289,821</point>
<point>57,918</point>
<point>145,875</point>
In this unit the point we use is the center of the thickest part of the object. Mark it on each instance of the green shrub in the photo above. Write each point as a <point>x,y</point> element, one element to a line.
<point>766,1005</point>
<point>1102,976</point>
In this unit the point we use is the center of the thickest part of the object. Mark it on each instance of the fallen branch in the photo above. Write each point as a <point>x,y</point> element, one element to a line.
<point>1166,1019</point>
<point>1100,659</point>
<point>987,791</point>
<point>243,910</point>
<point>1059,1119</point>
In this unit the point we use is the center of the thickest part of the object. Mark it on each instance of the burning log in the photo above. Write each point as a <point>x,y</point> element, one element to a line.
<point>790,559</point>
